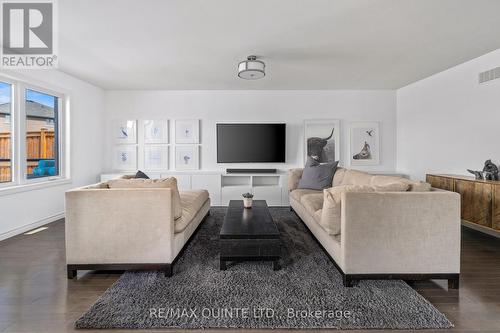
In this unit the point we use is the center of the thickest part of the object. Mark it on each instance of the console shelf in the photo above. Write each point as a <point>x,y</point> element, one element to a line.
<point>223,187</point>
<point>267,187</point>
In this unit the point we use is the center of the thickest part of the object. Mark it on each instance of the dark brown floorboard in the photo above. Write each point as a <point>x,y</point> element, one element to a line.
<point>35,295</point>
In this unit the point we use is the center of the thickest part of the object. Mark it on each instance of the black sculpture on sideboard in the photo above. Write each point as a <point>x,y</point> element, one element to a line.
<point>490,171</point>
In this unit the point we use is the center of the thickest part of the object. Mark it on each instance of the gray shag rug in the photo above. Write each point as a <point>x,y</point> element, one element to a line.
<point>306,293</point>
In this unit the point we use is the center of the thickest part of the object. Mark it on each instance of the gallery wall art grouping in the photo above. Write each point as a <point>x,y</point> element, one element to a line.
<point>322,141</point>
<point>146,144</point>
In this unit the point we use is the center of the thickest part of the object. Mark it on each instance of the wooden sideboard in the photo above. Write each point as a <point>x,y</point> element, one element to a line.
<point>480,200</point>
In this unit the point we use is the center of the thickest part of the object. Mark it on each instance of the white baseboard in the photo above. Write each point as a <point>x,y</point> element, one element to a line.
<point>31,226</point>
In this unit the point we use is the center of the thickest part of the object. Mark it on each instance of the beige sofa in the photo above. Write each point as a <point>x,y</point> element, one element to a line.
<point>129,228</point>
<point>408,235</point>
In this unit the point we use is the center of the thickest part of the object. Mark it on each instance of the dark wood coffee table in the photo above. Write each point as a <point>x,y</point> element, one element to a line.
<point>249,234</point>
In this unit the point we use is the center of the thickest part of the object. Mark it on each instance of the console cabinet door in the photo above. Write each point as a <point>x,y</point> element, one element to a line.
<point>272,194</point>
<point>476,201</point>
<point>183,181</point>
<point>211,183</point>
<point>496,207</point>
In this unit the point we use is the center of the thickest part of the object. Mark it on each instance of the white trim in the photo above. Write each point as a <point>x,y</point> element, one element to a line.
<point>13,129</point>
<point>59,128</point>
<point>49,182</point>
<point>20,182</point>
<point>27,227</point>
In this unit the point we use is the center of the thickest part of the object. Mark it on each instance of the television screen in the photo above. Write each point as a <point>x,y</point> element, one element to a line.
<point>251,143</point>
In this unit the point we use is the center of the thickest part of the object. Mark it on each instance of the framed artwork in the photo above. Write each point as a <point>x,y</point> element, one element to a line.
<point>187,157</point>
<point>155,157</point>
<point>125,157</point>
<point>187,131</point>
<point>364,143</point>
<point>155,131</point>
<point>125,131</point>
<point>322,140</point>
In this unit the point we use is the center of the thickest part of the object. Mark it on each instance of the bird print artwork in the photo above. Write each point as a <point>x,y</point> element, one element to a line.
<point>369,132</point>
<point>123,132</point>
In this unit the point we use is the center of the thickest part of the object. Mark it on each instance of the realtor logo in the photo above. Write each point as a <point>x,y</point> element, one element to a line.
<point>28,35</point>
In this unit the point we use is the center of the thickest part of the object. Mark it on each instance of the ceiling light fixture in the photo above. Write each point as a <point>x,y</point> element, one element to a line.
<point>251,69</point>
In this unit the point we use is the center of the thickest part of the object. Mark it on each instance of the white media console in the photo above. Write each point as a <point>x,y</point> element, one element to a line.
<point>272,187</point>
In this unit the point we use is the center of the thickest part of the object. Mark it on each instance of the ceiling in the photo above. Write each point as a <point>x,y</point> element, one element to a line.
<point>306,44</point>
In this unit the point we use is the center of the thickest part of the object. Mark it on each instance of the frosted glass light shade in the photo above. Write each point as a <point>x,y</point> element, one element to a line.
<point>251,69</point>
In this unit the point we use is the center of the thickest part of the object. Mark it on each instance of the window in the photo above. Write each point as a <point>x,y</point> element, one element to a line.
<point>5,132</point>
<point>32,135</point>
<point>41,135</point>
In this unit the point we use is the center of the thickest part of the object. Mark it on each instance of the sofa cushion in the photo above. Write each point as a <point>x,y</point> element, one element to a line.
<point>298,193</point>
<point>392,187</point>
<point>316,176</point>
<point>330,214</point>
<point>294,176</point>
<point>317,216</point>
<point>413,185</point>
<point>384,180</point>
<point>338,176</point>
<point>191,202</point>
<point>170,183</point>
<point>312,202</point>
<point>98,186</point>
<point>355,177</point>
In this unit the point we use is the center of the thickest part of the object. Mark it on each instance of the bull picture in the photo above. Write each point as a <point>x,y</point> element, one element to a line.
<point>321,149</point>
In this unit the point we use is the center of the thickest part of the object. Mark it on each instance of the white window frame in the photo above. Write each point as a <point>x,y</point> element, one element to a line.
<point>13,121</point>
<point>19,181</point>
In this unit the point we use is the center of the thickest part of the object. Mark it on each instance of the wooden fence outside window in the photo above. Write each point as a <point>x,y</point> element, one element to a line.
<point>39,145</point>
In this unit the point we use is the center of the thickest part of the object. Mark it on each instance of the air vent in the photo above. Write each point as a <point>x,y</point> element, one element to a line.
<point>492,74</point>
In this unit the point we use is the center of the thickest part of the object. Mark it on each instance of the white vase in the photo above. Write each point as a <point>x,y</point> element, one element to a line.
<point>247,202</point>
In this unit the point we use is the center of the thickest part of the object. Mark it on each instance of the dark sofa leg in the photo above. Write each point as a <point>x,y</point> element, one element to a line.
<point>71,273</point>
<point>168,270</point>
<point>454,283</point>
<point>347,281</point>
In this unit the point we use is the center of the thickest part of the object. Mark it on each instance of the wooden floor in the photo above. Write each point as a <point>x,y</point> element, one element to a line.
<point>35,295</point>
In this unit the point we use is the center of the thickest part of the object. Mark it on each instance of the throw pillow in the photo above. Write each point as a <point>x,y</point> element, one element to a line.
<point>317,176</point>
<point>141,175</point>
<point>356,177</point>
<point>330,215</point>
<point>170,183</point>
<point>338,176</point>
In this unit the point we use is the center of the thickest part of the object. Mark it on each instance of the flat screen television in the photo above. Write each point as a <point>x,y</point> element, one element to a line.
<point>251,143</point>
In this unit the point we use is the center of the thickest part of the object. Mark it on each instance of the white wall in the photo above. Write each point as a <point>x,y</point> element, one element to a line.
<point>291,107</point>
<point>447,123</point>
<point>23,210</point>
